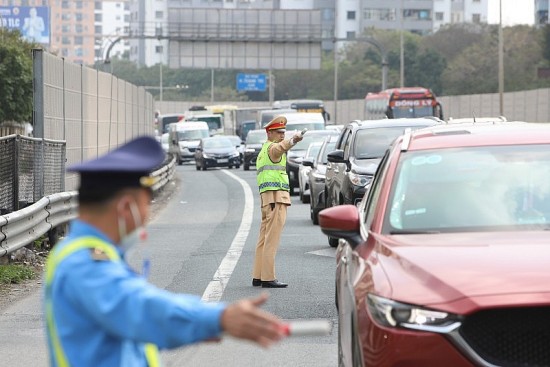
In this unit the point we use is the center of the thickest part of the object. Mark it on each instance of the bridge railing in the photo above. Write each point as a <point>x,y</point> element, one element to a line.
<point>21,228</point>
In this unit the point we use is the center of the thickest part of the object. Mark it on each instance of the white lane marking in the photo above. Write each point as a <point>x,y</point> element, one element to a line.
<point>214,290</point>
<point>329,252</point>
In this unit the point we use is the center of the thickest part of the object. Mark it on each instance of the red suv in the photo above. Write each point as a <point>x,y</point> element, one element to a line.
<point>446,260</point>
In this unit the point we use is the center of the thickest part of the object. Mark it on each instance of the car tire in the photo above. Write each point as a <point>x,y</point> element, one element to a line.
<point>333,241</point>
<point>203,166</point>
<point>315,217</point>
<point>246,167</point>
<point>306,199</point>
<point>238,166</point>
<point>230,166</point>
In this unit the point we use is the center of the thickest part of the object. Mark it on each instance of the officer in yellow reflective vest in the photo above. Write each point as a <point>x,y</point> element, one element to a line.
<point>100,312</point>
<point>275,198</point>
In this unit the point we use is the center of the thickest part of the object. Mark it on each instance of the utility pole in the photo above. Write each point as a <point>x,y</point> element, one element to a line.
<point>500,64</point>
<point>335,50</point>
<point>212,86</point>
<point>401,50</point>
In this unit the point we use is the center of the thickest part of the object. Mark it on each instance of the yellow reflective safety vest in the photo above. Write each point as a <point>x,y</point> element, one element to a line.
<point>271,176</point>
<point>55,258</point>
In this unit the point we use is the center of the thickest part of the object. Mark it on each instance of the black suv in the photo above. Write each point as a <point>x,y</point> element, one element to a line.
<point>254,141</point>
<point>359,149</point>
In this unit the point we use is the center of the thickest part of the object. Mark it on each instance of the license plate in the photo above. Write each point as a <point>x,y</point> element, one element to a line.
<point>223,160</point>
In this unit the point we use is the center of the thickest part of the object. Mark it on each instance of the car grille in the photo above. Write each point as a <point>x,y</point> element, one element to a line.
<point>218,156</point>
<point>191,149</point>
<point>510,337</point>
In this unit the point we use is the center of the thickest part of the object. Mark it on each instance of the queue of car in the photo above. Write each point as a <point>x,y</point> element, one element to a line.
<point>441,234</point>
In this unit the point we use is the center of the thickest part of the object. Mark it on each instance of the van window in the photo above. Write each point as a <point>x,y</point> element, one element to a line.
<point>192,134</point>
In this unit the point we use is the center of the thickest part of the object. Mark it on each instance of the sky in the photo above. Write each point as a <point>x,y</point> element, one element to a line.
<point>513,12</point>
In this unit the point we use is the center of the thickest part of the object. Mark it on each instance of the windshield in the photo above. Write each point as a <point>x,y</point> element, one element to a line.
<point>256,138</point>
<point>329,147</point>
<point>166,120</point>
<point>305,125</point>
<point>192,134</point>
<point>214,122</point>
<point>234,139</point>
<point>406,112</point>
<point>217,142</point>
<point>474,188</point>
<point>309,138</point>
<point>313,150</point>
<point>372,143</point>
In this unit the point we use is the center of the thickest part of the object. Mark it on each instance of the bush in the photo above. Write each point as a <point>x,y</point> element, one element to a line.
<point>15,274</point>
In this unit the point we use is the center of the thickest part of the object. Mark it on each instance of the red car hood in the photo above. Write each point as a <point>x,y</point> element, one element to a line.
<point>460,272</point>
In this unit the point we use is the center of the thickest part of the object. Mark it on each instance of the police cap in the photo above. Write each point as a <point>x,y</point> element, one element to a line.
<point>128,166</point>
<point>278,123</point>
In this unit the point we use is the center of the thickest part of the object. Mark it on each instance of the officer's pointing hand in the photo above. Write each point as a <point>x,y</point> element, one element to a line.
<point>296,138</point>
<point>245,320</point>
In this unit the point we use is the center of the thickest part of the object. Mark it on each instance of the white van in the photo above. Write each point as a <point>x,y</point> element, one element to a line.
<point>184,137</point>
<point>304,120</point>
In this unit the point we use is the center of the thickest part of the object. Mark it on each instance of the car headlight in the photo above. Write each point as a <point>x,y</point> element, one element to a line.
<point>236,154</point>
<point>249,150</point>
<point>359,180</point>
<point>204,155</point>
<point>390,313</point>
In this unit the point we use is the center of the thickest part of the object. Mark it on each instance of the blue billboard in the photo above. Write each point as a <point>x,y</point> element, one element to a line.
<point>251,82</point>
<point>32,21</point>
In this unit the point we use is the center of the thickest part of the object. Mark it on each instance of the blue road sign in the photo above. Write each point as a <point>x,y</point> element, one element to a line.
<point>251,82</point>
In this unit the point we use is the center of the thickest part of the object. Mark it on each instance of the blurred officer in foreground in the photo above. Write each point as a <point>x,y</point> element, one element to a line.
<point>275,198</point>
<point>100,312</point>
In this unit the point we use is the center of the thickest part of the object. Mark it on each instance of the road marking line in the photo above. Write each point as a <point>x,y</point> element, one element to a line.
<point>214,290</point>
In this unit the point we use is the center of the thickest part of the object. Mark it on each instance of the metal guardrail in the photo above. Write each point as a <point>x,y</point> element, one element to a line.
<point>21,228</point>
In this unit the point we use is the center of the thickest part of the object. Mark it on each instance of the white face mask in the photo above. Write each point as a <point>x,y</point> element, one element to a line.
<point>129,240</point>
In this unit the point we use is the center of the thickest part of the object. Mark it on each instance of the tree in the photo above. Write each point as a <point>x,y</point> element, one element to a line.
<point>546,42</point>
<point>16,92</point>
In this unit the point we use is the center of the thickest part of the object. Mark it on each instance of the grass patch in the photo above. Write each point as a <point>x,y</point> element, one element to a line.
<point>14,274</point>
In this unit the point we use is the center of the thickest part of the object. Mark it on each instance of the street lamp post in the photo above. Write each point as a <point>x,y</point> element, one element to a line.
<point>401,50</point>
<point>500,64</point>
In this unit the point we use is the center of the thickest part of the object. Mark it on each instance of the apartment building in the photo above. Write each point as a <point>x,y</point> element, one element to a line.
<point>112,20</point>
<point>541,12</point>
<point>78,30</point>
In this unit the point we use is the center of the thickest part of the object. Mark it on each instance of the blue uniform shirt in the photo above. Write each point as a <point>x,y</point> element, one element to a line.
<point>105,312</point>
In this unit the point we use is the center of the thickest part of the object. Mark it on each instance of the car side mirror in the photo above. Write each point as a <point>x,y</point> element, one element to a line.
<point>308,162</point>
<point>336,156</point>
<point>341,221</point>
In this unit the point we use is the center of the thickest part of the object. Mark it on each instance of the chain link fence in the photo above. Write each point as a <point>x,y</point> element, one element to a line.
<point>30,168</point>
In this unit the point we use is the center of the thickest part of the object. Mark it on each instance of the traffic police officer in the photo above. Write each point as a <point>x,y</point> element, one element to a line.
<point>99,312</point>
<point>275,198</point>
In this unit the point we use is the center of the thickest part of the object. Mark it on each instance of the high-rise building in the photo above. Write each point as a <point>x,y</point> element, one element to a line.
<point>541,12</point>
<point>70,25</point>
<point>148,26</point>
<point>340,19</point>
<point>112,20</point>
<point>78,30</point>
